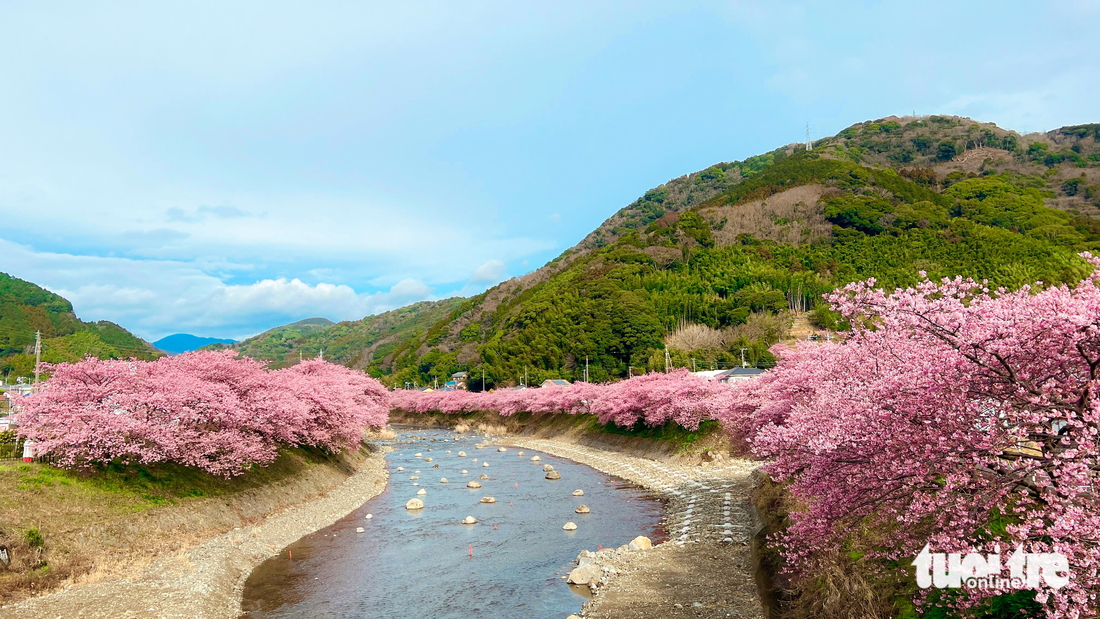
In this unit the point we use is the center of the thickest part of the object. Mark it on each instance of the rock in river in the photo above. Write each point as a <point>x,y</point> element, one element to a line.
<point>578,492</point>
<point>488,499</point>
<point>502,449</point>
<point>484,464</point>
<point>536,459</point>
<point>552,475</point>
<point>400,469</point>
<point>462,454</point>
<point>640,543</point>
<point>520,454</point>
<point>483,476</point>
<point>443,480</point>
<point>548,467</point>
<point>414,504</point>
<point>585,575</point>
<point>582,509</point>
<point>469,520</point>
<point>569,526</point>
<point>422,492</point>
<point>473,484</point>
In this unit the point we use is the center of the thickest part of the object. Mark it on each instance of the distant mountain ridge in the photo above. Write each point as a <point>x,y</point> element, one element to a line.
<point>26,308</point>
<point>184,342</point>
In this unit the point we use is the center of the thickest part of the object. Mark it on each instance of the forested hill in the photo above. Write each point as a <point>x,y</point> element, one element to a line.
<point>708,263</point>
<point>26,308</point>
<point>357,344</point>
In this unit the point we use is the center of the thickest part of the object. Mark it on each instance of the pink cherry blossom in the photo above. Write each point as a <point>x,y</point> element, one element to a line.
<point>209,410</point>
<point>949,407</point>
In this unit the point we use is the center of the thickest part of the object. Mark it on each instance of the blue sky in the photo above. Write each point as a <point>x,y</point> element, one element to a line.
<point>223,168</point>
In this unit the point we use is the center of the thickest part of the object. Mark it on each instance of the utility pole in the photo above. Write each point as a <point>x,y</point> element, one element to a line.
<point>668,360</point>
<point>525,383</point>
<point>435,383</point>
<point>483,378</point>
<point>693,364</point>
<point>743,357</point>
<point>321,354</point>
<point>299,356</point>
<point>586,368</point>
<point>630,371</point>
<point>37,354</point>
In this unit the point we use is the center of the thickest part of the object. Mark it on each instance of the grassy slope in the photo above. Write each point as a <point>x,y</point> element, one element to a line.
<point>60,524</point>
<point>26,308</point>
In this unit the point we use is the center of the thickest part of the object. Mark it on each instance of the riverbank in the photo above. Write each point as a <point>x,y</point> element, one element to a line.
<point>705,569</point>
<point>205,578</point>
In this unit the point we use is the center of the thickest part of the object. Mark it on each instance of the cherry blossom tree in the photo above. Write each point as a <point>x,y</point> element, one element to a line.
<point>953,416</point>
<point>653,399</point>
<point>209,410</point>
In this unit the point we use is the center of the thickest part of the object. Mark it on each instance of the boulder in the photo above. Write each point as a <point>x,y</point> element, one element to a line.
<point>469,520</point>
<point>427,459</point>
<point>488,499</point>
<point>416,483</point>
<point>413,477</point>
<point>422,492</point>
<point>473,484</point>
<point>552,475</point>
<point>480,445</point>
<point>536,459</point>
<point>641,542</point>
<point>369,516</point>
<point>400,469</point>
<point>502,449</point>
<point>484,464</point>
<point>578,492</point>
<point>414,504</point>
<point>443,480</point>
<point>448,451</point>
<point>359,529</point>
<point>418,455</point>
<point>520,454</point>
<point>435,466</point>
<point>582,509</point>
<point>586,575</point>
<point>483,476</point>
<point>462,454</point>
<point>548,467</point>
<point>570,526</point>
<point>465,472</point>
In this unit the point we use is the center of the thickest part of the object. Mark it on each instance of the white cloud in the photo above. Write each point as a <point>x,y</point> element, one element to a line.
<point>154,298</point>
<point>491,272</point>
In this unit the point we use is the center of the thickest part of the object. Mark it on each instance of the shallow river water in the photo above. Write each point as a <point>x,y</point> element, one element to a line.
<point>418,564</point>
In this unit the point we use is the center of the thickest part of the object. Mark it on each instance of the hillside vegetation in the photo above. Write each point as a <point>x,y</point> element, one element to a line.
<point>356,344</point>
<point>26,308</point>
<point>710,264</point>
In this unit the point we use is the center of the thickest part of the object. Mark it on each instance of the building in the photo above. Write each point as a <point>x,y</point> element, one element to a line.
<point>554,382</point>
<point>458,380</point>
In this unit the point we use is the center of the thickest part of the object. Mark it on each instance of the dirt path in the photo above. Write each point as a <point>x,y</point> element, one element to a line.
<point>705,569</point>
<point>206,581</point>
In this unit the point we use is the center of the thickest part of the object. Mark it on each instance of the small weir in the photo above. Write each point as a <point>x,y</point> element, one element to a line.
<point>418,564</point>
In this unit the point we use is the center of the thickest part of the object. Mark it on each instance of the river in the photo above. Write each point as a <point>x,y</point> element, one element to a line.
<point>418,564</point>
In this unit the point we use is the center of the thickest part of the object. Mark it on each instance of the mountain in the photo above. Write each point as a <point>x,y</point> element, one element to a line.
<point>183,342</point>
<point>709,263</point>
<point>356,344</point>
<point>26,308</point>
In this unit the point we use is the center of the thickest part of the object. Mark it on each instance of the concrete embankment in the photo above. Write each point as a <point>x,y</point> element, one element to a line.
<point>206,579</point>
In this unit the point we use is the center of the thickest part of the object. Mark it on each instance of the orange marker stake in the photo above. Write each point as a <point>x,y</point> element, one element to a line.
<point>494,527</point>
<point>291,553</point>
<point>471,552</point>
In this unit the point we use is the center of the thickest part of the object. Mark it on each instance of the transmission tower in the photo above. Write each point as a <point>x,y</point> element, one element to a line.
<point>809,144</point>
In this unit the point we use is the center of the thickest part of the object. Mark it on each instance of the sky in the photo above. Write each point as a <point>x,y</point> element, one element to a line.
<point>223,168</point>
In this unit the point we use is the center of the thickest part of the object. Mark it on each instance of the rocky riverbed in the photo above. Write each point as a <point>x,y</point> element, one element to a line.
<point>206,581</point>
<point>705,569</point>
